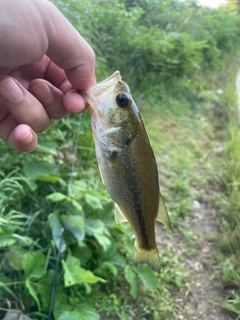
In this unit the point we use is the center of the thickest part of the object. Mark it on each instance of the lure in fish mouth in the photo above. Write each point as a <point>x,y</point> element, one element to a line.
<point>127,164</point>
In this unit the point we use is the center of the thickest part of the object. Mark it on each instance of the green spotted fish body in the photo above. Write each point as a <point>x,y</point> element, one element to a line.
<point>127,164</point>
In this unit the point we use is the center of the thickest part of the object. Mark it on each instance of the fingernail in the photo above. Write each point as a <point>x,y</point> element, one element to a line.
<point>10,91</point>
<point>27,138</point>
<point>43,93</point>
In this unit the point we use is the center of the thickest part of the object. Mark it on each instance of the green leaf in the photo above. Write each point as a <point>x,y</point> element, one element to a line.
<point>44,288</point>
<point>88,277</point>
<point>48,147</point>
<point>3,221</point>
<point>74,274</point>
<point>77,189</point>
<point>56,197</point>
<point>111,255</point>
<point>6,239</point>
<point>22,240</point>
<point>93,202</point>
<point>33,264</point>
<point>35,169</point>
<point>103,240</point>
<point>83,312</point>
<point>32,185</point>
<point>32,292</point>
<point>98,230</point>
<point>15,258</point>
<point>74,224</point>
<point>88,288</point>
<point>76,205</point>
<point>109,266</point>
<point>84,252</point>
<point>48,177</point>
<point>61,304</point>
<point>147,276</point>
<point>57,231</point>
<point>132,279</point>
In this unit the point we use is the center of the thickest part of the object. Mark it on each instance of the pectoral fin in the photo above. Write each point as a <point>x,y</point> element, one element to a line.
<point>119,217</point>
<point>163,214</point>
<point>99,168</point>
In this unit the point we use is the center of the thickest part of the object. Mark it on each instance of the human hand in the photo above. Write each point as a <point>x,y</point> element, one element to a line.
<point>43,63</point>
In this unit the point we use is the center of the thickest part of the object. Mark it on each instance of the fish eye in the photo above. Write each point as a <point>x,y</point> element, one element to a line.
<point>122,100</point>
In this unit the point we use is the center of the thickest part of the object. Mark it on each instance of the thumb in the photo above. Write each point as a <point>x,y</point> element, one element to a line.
<point>67,48</point>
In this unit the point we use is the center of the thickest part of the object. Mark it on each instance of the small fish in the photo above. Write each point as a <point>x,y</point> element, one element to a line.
<point>127,164</point>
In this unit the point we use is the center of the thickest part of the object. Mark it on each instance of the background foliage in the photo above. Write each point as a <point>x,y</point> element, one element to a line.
<point>165,50</point>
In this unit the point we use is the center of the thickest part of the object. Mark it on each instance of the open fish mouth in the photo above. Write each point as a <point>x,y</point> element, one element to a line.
<point>102,87</point>
<point>106,83</point>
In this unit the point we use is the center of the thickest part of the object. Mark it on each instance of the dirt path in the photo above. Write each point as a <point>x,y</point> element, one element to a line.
<point>200,300</point>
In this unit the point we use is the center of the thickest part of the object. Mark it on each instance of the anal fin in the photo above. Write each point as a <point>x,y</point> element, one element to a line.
<point>163,216</point>
<point>119,217</point>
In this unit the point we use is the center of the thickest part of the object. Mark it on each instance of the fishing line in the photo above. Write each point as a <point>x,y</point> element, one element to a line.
<point>53,289</point>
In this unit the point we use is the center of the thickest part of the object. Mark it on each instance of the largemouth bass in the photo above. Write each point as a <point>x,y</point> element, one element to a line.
<point>127,164</point>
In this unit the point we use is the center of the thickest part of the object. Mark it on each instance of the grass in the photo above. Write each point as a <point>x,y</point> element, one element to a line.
<point>229,239</point>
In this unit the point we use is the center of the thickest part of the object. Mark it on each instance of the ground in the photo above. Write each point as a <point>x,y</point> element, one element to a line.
<point>202,295</point>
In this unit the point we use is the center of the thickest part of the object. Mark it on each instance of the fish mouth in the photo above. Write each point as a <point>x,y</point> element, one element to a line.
<point>90,95</point>
<point>104,85</point>
<point>110,81</point>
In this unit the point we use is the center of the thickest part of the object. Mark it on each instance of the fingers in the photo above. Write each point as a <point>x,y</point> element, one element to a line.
<point>21,115</point>
<point>67,48</point>
<point>33,109</point>
<point>20,137</point>
<point>56,103</point>
<point>72,100</point>
<point>22,105</point>
<point>50,97</point>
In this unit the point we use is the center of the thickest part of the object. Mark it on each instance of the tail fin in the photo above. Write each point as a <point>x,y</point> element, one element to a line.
<point>150,257</point>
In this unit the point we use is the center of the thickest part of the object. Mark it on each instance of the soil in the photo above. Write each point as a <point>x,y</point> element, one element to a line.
<point>202,295</point>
